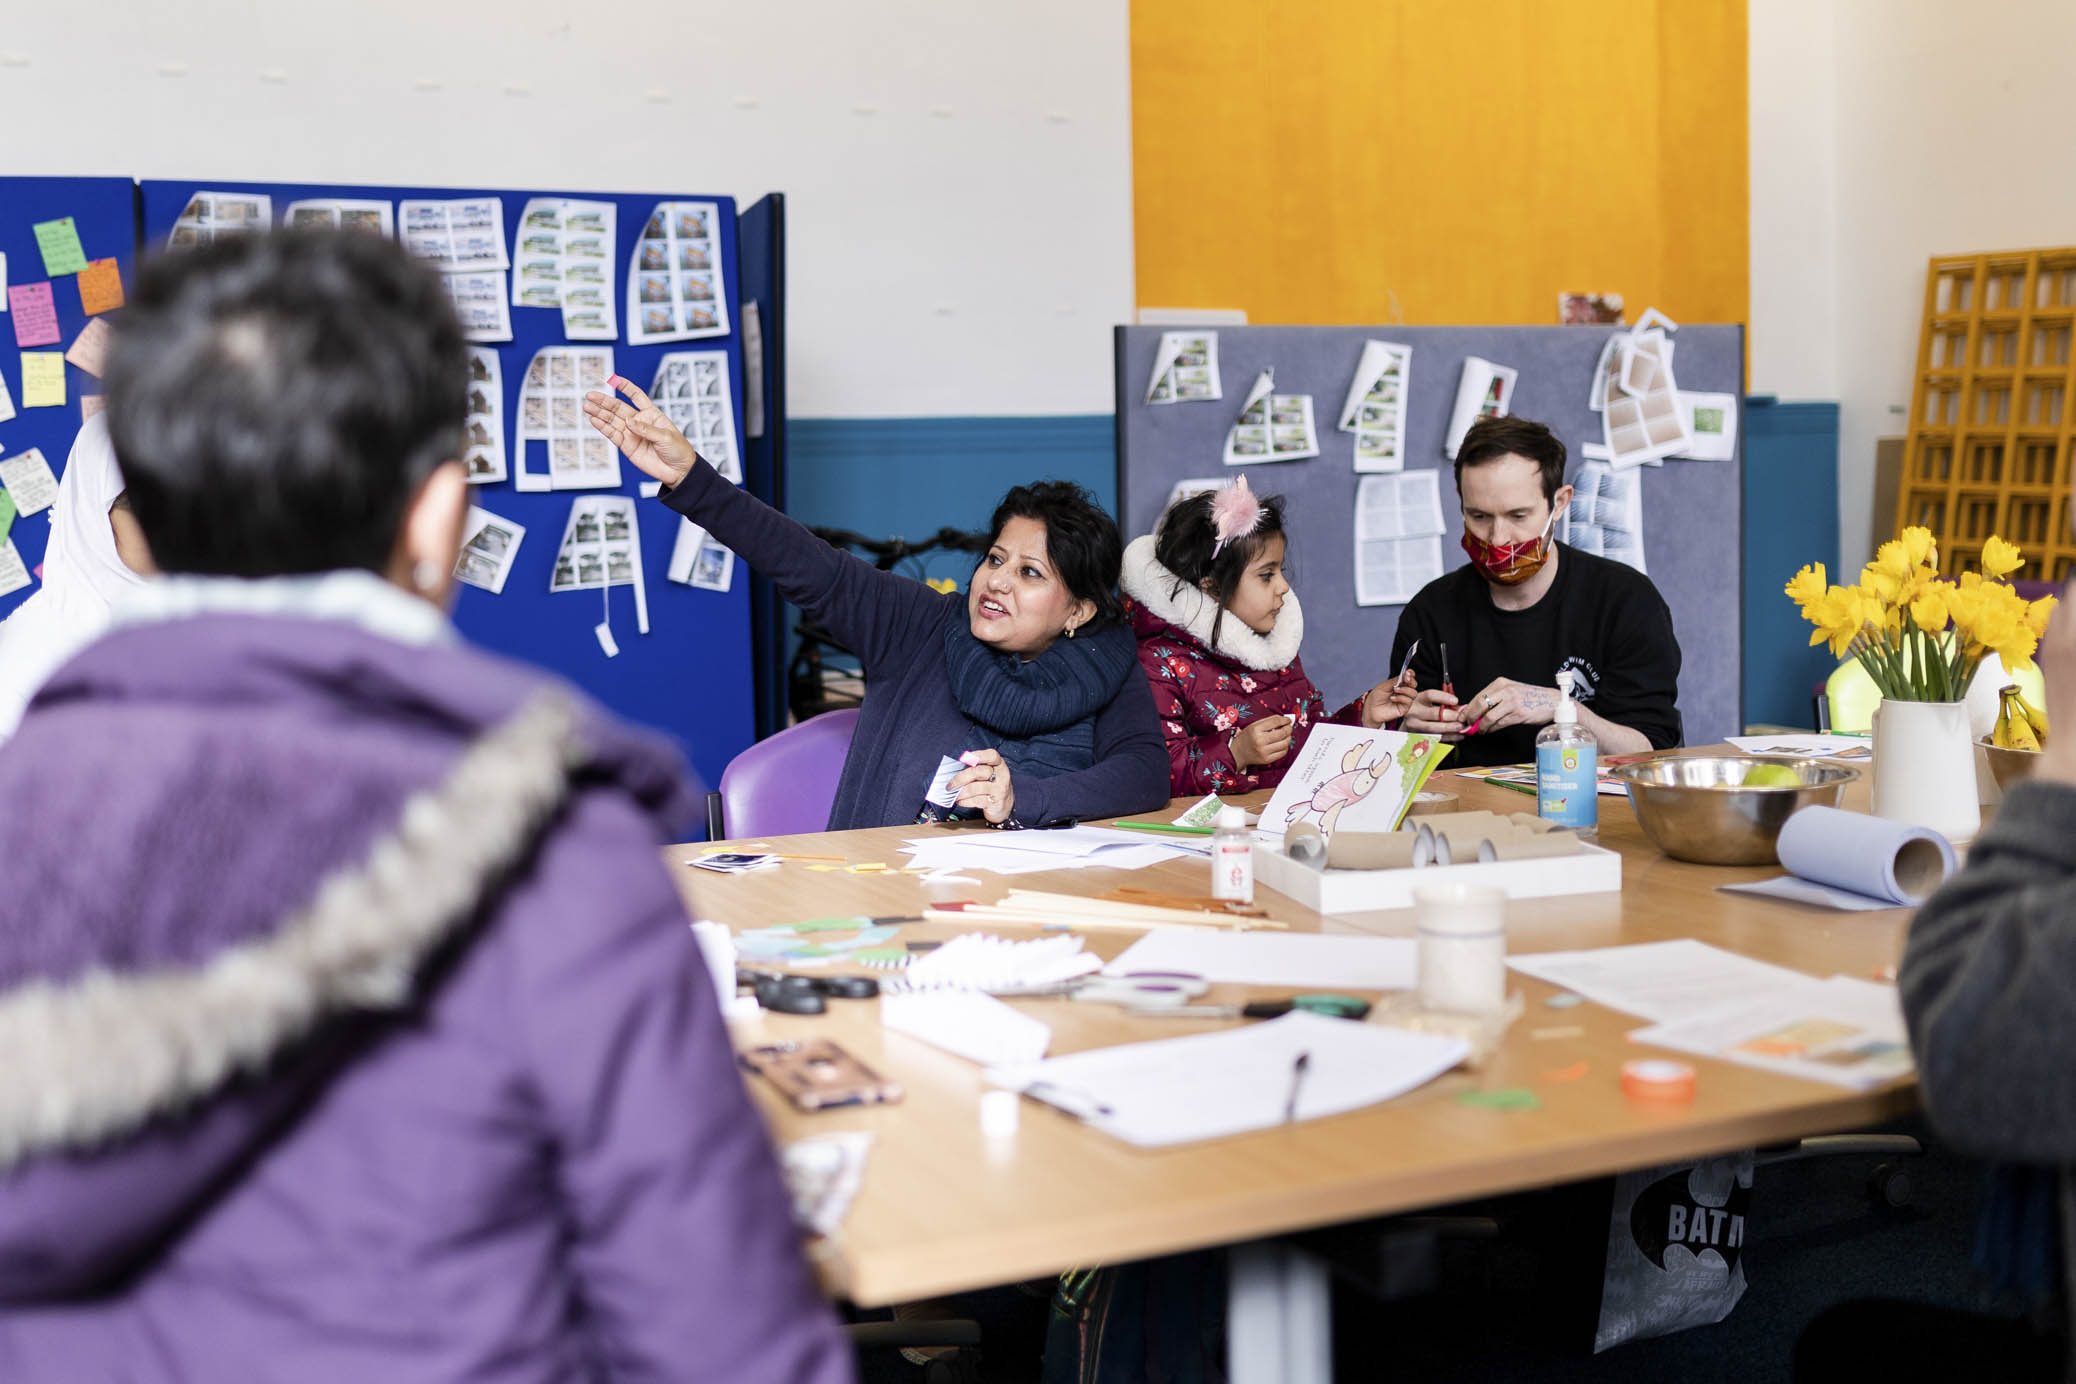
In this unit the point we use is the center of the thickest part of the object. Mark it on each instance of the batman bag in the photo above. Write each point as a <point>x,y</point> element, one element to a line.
<point>1675,1248</point>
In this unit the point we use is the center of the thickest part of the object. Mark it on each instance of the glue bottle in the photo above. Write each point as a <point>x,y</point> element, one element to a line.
<point>1567,766</point>
<point>1232,857</point>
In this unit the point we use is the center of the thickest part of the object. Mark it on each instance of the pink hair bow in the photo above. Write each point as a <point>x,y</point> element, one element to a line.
<point>1234,513</point>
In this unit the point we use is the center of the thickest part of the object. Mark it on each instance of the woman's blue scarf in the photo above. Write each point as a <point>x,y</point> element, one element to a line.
<point>1040,714</point>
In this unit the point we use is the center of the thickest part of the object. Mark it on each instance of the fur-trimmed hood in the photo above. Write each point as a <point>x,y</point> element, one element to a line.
<point>236,842</point>
<point>1167,597</point>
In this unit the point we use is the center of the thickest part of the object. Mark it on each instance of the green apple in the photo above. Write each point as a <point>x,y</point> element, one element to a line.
<point>1772,776</point>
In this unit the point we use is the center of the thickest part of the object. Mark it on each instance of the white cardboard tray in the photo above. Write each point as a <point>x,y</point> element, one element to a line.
<point>1592,871</point>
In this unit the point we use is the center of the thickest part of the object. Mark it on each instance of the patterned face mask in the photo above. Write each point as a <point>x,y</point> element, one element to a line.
<point>1510,563</point>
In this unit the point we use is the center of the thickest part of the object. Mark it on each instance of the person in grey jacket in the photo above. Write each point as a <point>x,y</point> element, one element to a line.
<point>1988,985</point>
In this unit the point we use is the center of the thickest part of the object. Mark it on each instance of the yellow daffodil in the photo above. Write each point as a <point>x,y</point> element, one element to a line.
<point>1891,561</point>
<point>1807,587</point>
<point>1878,580</point>
<point>2037,613</point>
<point>1928,608</point>
<point>1919,547</point>
<point>2000,559</point>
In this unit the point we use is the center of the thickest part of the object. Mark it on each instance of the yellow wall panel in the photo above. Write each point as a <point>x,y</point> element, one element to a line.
<point>1434,161</point>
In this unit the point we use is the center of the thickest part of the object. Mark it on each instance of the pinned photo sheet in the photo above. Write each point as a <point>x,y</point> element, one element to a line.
<point>1375,409</point>
<point>1398,536</point>
<point>1712,423</point>
<point>1185,369</point>
<point>1271,426</point>
<point>1605,516</point>
<point>551,410</point>
<point>479,301</point>
<point>1642,420</point>
<point>694,391</point>
<point>463,235</point>
<point>342,213</point>
<point>1483,390</point>
<point>483,434</point>
<point>564,259</point>
<point>14,573</point>
<point>212,215</point>
<point>674,287</point>
<point>489,543</point>
<point>699,559</point>
<point>601,549</point>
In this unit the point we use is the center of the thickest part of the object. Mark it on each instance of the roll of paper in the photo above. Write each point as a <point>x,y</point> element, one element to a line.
<point>1428,802</point>
<point>1867,855</point>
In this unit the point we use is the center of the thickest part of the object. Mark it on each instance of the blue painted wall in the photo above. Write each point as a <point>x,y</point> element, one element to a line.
<point>909,477</point>
<point>1790,519</point>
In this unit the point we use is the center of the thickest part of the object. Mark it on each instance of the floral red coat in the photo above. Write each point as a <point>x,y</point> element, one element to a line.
<point>1203,697</point>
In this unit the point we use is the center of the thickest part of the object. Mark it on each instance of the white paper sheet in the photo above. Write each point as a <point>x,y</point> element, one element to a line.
<point>1398,528</point>
<point>1660,981</point>
<point>1209,1085</point>
<point>463,235</point>
<point>1182,490</point>
<point>349,213</point>
<point>14,573</point>
<point>1185,369</point>
<point>1483,390</point>
<point>675,291</point>
<point>213,215</point>
<point>1271,426</point>
<point>602,548</point>
<point>478,296</point>
<point>752,369</point>
<point>489,545</point>
<point>1300,960</point>
<point>1605,516</point>
<point>1844,1031</point>
<point>1846,747</point>
<point>1375,407</point>
<point>968,1024</point>
<point>483,434</point>
<point>694,391</point>
<point>551,410</point>
<point>1711,423</point>
<point>29,480</point>
<point>564,260</point>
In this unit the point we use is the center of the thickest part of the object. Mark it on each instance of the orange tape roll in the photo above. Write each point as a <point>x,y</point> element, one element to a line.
<point>1659,1080</point>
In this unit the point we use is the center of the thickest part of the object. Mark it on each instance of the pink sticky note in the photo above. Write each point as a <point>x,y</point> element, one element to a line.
<point>35,314</point>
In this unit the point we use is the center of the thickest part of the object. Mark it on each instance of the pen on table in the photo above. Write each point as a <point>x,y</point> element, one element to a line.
<point>1297,1081</point>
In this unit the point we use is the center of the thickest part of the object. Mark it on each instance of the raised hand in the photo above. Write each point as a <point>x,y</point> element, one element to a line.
<point>643,433</point>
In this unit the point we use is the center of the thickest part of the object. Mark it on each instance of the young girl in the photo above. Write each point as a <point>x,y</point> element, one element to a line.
<point>1219,630</point>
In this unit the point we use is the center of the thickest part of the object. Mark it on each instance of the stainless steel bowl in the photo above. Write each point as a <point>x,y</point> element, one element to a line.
<point>2009,766</point>
<point>1696,807</point>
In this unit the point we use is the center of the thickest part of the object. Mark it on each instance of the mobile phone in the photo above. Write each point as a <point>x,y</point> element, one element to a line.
<point>816,1074</point>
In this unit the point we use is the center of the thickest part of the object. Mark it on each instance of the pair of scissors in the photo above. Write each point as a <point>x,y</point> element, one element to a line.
<point>1328,1006</point>
<point>1143,990</point>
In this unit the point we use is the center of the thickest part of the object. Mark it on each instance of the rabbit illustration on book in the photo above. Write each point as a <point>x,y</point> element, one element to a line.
<point>1351,785</point>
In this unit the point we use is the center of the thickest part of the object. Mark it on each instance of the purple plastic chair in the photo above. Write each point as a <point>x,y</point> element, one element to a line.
<point>784,785</point>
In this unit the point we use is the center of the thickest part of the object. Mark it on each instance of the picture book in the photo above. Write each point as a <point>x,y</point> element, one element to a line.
<point>1354,777</point>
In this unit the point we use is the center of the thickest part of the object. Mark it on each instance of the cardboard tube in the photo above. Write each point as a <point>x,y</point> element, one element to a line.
<point>1430,803</point>
<point>1303,843</point>
<point>1372,850</point>
<point>1528,821</point>
<point>1526,846</point>
<point>1433,847</point>
<point>1453,822</point>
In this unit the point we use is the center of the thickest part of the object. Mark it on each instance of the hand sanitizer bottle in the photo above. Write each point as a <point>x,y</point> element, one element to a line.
<point>1232,857</point>
<point>1567,766</point>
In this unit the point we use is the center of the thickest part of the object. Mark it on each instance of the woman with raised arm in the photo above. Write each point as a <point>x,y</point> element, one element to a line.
<point>1020,701</point>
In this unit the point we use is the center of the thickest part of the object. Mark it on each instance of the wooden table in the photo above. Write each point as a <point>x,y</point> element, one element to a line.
<point>944,1209</point>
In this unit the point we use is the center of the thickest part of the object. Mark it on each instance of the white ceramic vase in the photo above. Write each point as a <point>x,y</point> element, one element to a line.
<point>1924,767</point>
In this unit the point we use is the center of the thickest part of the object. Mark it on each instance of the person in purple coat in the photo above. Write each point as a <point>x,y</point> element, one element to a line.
<point>352,1027</point>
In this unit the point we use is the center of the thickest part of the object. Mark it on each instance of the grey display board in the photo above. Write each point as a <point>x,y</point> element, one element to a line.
<point>1693,511</point>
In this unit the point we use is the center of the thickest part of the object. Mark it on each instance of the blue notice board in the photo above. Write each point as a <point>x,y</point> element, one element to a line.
<point>104,211</point>
<point>689,677</point>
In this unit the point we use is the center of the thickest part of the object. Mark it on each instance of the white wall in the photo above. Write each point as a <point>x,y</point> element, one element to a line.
<point>1947,131</point>
<point>958,176</point>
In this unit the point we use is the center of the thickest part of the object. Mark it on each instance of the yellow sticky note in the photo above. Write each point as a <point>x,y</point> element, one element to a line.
<point>43,379</point>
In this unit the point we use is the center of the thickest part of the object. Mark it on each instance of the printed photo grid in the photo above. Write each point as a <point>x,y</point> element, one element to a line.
<point>212,215</point>
<point>674,286</point>
<point>693,390</point>
<point>483,435</point>
<point>551,410</point>
<point>564,260</point>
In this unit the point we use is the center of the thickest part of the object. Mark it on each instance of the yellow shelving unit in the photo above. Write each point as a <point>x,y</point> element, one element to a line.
<point>1991,427</point>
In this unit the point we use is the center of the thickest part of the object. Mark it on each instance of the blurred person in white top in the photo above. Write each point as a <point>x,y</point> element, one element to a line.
<point>96,554</point>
